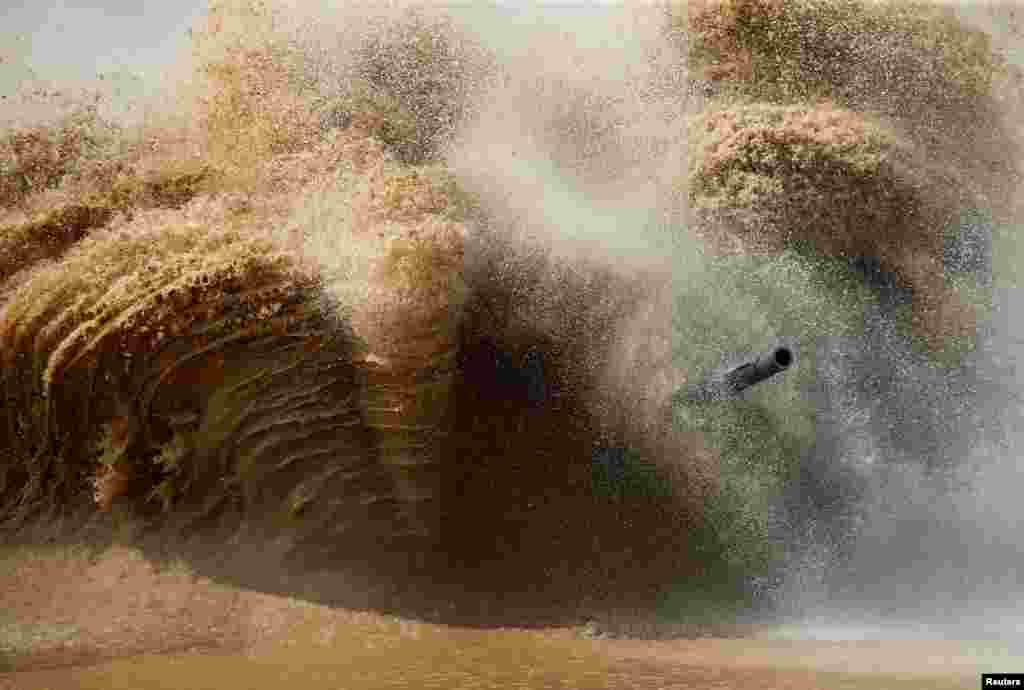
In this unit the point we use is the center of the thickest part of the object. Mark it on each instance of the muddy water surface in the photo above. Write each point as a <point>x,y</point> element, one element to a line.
<point>407,655</point>
<point>74,619</point>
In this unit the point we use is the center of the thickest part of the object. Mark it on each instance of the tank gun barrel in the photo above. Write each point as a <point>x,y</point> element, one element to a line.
<point>738,379</point>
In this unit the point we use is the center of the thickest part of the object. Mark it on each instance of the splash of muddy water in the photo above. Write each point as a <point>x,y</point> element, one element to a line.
<point>576,150</point>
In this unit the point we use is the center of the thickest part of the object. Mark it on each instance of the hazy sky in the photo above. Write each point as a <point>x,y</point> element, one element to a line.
<point>76,39</point>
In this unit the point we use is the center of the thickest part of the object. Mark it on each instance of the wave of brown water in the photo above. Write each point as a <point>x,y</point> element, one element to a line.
<point>506,659</point>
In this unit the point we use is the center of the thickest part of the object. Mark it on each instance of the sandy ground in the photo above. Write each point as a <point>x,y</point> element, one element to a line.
<point>71,619</point>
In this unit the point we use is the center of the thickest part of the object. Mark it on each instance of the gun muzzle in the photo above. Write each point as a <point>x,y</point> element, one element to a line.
<point>767,365</point>
<point>740,378</point>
